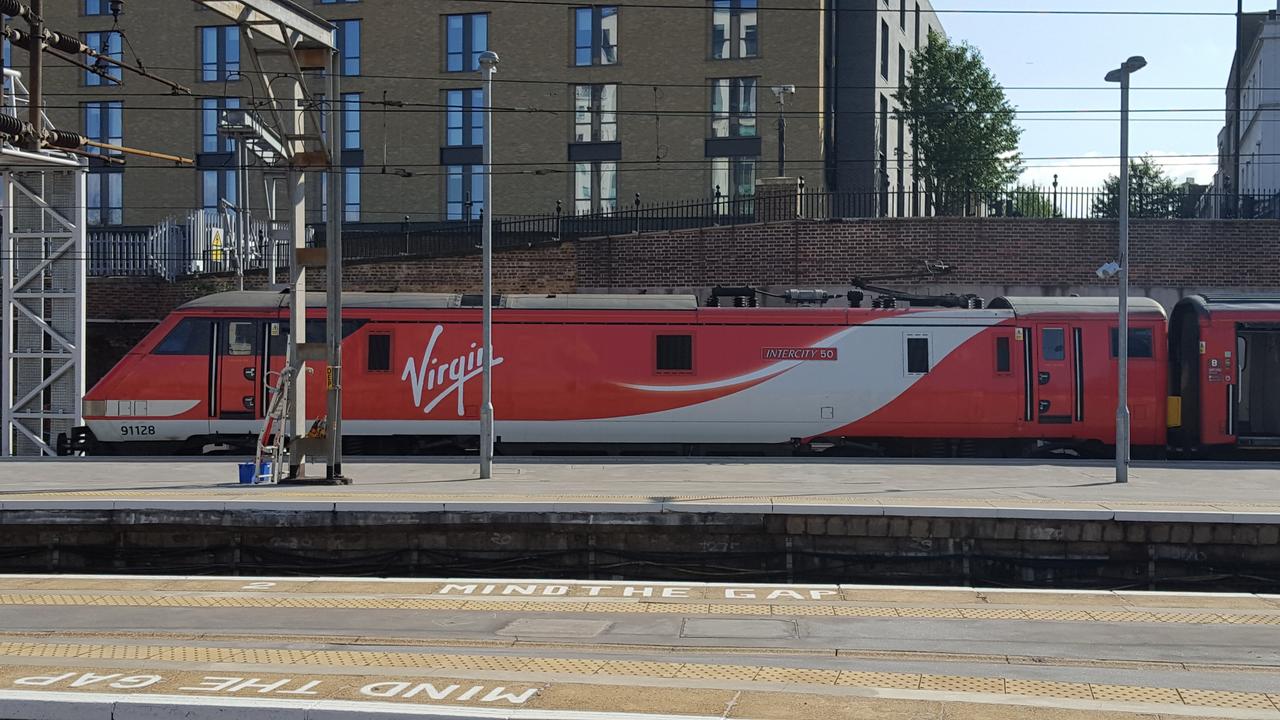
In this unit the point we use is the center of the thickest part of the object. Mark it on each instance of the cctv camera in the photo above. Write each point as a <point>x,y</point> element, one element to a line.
<point>1108,270</point>
<point>780,90</point>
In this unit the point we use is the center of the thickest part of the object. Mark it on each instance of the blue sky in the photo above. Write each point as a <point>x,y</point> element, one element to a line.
<point>1189,60</point>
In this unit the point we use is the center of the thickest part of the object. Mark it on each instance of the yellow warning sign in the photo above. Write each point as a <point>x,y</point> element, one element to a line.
<point>215,242</point>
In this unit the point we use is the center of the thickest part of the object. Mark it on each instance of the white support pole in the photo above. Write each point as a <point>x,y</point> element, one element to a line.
<point>1122,402</point>
<point>489,63</point>
<point>333,230</point>
<point>6,319</point>
<point>297,217</point>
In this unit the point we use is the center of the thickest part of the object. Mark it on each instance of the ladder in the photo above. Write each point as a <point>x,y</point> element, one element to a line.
<point>274,435</point>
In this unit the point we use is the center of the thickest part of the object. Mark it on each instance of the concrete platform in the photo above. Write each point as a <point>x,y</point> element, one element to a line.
<point>131,647</point>
<point>1053,524</point>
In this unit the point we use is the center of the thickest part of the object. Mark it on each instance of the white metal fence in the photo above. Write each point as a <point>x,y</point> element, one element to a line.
<point>207,242</point>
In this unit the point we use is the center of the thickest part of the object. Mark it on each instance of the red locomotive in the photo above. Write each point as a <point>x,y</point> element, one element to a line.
<point>655,373</point>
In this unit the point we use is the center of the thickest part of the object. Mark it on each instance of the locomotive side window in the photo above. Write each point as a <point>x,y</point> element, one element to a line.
<point>1053,342</point>
<point>240,338</point>
<point>917,355</point>
<point>379,353</point>
<point>189,337</point>
<point>1140,343</point>
<point>675,353</point>
<point>1002,355</point>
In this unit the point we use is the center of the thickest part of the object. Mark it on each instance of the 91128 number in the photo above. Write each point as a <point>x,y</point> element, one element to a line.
<point>127,430</point>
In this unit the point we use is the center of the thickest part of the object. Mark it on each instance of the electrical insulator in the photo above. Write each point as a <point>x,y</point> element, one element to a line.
<point>117,7</point>
<point>65,139</point>
<point>11,126</point>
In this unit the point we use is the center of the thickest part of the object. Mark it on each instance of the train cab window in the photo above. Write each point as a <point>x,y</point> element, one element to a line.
<point>675,353</point>
<point>1141,344</point>
<point>379,352</point>
<point>189,337</point>
<point>1002,355</point>
<point>917,355</point>
<point>240,337</point>
<point>1053,344</point>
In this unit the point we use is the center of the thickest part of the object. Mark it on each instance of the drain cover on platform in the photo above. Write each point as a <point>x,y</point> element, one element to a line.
<point>757,628</point>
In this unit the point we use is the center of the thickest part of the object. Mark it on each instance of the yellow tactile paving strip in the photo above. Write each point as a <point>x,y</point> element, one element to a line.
<point>304,661</point>
<point>795,609</point>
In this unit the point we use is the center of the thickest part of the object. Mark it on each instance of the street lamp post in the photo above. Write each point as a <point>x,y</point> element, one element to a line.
<point>781,92</point>
<point>1121,75</point>
<point>489,62</point>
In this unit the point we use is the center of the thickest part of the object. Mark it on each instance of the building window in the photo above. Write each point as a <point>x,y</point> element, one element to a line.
<point>595,187</point>
<point>350,121</point>
<point>97,7</point>
<point>674,353</point>
<point>917,19</point>
<point>902,68</point>
<point>348,32</point>
<point>732,178</point>
<point>595,35</point>
<point>464,124</point>
<point>734,29</point>
<point>733,107</point>
<point>216,185</point>
<point>464,192</point>
<point>211,141</point>
<point>104,122</point>
<point>884,49</point>
<point>595,117</point>
<point>219,53</point>
<point>883,129</point>
<point>466,36</point>
<point>351,194</point>
<point>108,43</point>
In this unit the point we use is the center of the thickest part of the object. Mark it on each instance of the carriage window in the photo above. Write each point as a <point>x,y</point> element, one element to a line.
<point>1140,343</point>
<point>675,353</point>
<point>188,337</point>
<point>917,355</point>
<point>379,353</point>
<point>1002,354</point>
<point>240,338</point>
<point>1053,344</point>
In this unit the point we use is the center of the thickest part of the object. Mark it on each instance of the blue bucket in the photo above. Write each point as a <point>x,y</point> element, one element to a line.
<point>248,477</point>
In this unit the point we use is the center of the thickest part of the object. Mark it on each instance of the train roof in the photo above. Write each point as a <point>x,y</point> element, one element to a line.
<point>1208,304</point>
<point>1027,306</point>
<point>268,299</point>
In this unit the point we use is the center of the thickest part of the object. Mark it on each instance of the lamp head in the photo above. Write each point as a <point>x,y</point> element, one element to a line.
<point>1128,67</point>
<point>488,59</point>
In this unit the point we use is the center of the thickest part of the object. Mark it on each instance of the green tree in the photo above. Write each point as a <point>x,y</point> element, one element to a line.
<point>965,138</point>
<point>1026,201</point>
<point>1152,194</point>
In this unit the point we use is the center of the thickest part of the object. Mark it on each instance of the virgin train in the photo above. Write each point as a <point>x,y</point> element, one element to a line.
<point>646,374</point>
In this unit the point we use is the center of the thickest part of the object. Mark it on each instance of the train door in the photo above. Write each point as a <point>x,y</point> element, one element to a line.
<point>1257,391</point>
<point>1057,372</point>
<point>239,350</point>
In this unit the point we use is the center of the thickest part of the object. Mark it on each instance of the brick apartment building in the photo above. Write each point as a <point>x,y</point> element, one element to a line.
<point>595,103</point>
